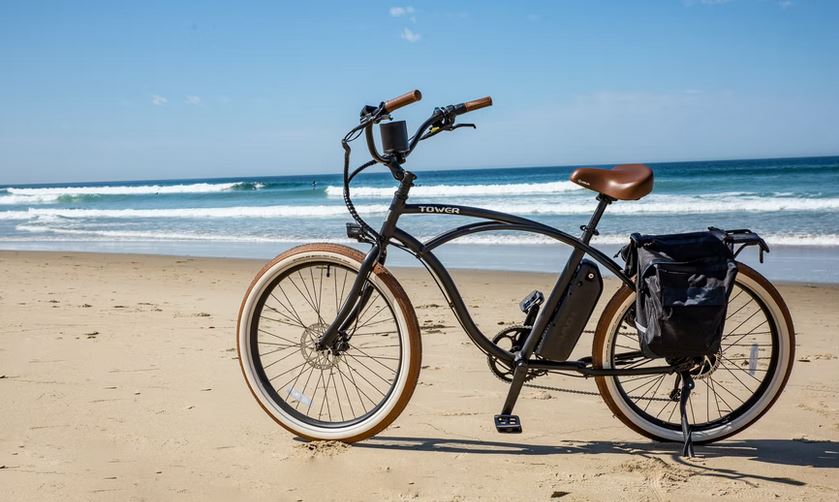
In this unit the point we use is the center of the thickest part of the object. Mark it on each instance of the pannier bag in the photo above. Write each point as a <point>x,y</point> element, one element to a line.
<point>683,283</point>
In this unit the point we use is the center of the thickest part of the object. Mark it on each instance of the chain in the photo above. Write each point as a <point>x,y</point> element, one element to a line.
<point>560,389</point>
<point>570,391</point>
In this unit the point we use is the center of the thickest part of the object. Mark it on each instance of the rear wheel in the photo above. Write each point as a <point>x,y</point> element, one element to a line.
<point>318,394</point>
<point>734,387</point>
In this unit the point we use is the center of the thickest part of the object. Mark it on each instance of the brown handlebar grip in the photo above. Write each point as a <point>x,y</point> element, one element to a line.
<point>477,104</point>
<point>403,100</point>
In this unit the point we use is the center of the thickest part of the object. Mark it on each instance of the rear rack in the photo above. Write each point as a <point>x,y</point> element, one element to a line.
<point>741,238</point>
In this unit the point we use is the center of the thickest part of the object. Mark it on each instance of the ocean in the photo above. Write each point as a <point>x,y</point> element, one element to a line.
<point>792,203</point>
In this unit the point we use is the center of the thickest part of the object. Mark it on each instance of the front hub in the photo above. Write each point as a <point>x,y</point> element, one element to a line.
<point>320,359</point>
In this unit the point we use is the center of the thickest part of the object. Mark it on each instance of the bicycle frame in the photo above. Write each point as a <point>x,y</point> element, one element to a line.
<point>391,234</point>
<point>523,361</point>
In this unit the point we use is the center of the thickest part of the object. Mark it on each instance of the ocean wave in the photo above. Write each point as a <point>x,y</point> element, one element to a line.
<point>459,190</point>
<point>667,204</point>
<point>196,212</point>
<point>247,186</point>
<point>124,235</point>
<point>493,239</point>
<point>126,189</point>
<point>22,200</point>
<point>519,239</point>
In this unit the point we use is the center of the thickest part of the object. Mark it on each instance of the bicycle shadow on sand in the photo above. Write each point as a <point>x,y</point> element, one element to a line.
<point>792,452</point>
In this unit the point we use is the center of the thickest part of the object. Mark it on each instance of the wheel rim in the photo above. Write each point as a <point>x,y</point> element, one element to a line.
<point>318,388</point>
<point>732,388</point>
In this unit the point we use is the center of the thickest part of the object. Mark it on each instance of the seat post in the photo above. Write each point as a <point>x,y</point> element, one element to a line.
<point>590,230</point>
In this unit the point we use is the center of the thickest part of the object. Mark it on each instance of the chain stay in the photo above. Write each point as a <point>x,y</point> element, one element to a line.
<point>491,361</point>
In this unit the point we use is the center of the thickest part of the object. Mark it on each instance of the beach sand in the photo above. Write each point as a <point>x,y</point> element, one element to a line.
<point>119,381</point>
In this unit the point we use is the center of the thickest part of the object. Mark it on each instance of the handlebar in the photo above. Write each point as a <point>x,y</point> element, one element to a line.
<point>477,104</point>
<point>442,119</point>
<point>406,99</point>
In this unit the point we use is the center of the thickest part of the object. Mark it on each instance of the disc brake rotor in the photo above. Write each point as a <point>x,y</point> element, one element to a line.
<point>319,359</point>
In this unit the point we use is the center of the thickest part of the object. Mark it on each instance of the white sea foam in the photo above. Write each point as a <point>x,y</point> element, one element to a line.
<point>519,239</point>
<point>653,205</point>
<point>15,215</point>
<point>17,199</point>
<point>285,211</point>
<point>127,235</point>
<point>123,189</point>
<point>666,204</point>
<point>490,239</point>
<point>459,190</point>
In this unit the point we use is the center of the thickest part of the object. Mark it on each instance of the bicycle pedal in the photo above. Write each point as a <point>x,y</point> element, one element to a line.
<point>508,424</point>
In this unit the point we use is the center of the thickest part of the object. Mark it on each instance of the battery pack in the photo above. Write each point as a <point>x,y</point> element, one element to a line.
<point>573,313</point>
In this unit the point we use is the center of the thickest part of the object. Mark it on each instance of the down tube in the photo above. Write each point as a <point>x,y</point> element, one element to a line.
<point>452,295</point>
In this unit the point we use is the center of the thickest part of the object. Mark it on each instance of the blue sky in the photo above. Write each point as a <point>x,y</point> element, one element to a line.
<point>147,90</point>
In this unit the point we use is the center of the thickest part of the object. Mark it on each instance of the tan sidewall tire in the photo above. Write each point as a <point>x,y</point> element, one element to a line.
<point>610,394</point>
<point>405,318</point>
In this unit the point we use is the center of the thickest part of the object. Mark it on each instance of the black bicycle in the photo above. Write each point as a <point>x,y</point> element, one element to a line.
<point>329,342</point>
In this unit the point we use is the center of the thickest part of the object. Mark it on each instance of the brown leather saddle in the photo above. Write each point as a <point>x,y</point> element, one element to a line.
<point>624,182</point>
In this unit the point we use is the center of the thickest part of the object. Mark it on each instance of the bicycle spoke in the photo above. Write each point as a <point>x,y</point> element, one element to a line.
<point>291,304</point>
<point>294,321</point>
<point>278,321</point>
<point>374,333</point>
<point>380,377</point>
<point>315,393</point>
<point>344,385</point>
<point>290,311</point>
<point>661,381</point>
<point>278,360</point>
<point>353,370</point>
<point>275,336</point>
<point>263,342</point>
<point>305,297</point>
<point>376,358</point>
<point>306,387</point>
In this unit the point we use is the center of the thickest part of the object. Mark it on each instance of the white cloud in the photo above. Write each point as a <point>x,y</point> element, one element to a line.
<point>158,100</point>
<point>410,36</point>
<point>401,11</point>
<point>785,4</point>
<point>193,100</point>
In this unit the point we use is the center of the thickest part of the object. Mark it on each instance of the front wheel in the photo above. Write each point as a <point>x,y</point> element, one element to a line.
<point>346,396</point>
<point>734,387</point>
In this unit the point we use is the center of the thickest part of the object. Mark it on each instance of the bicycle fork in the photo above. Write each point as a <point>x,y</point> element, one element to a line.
<point>361,291</point>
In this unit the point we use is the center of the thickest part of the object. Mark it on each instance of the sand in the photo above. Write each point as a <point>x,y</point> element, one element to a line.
<point>119,381</point>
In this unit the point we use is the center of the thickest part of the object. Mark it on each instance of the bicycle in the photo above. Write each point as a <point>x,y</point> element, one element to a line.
<point>330,316</point>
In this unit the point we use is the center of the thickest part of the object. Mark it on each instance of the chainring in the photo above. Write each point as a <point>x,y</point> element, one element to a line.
<point>513,337</point>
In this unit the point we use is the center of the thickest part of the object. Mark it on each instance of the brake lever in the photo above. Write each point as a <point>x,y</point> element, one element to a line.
<point>374,114</point>
<point>435,130</point>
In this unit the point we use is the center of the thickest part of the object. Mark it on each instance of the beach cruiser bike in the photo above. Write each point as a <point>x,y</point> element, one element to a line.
<point>330,346</point>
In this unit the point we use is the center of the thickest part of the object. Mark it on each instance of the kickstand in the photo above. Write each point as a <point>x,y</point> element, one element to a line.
<point>687,386</point>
